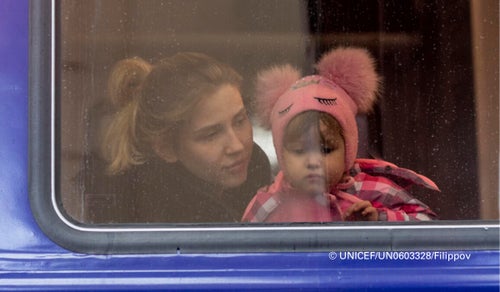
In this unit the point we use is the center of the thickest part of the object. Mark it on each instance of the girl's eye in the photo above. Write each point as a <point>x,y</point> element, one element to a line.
<point>326,150</point>
<point>298,151</point>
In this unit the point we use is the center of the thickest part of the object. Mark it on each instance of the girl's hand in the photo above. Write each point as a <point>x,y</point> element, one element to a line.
<point>361,211</point>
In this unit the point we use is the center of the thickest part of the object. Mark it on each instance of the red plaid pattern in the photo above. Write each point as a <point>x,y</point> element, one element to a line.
<point>383,184</point>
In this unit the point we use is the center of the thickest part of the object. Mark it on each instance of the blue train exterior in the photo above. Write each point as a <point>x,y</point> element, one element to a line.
<point>29,260</point>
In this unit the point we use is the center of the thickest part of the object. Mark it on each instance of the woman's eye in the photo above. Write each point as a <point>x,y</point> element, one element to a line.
<point>241,120</point>
<point>208,136</point>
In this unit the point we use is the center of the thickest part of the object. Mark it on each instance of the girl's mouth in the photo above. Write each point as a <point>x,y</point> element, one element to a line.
<point>315,178</point>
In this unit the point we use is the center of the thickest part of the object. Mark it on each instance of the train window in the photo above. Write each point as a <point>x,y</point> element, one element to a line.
<point>145,133</point>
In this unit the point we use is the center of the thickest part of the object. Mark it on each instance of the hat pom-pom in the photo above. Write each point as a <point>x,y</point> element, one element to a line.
<point>270,85</point>
<point>353,69</point>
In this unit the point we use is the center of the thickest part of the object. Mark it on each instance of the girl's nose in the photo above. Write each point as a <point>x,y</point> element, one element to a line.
<point>314,160</point>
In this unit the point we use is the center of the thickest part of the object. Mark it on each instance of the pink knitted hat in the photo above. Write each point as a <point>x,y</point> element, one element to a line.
<point>346,85</point>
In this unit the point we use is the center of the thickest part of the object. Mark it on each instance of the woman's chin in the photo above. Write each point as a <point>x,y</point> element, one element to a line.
<point>235,180</point>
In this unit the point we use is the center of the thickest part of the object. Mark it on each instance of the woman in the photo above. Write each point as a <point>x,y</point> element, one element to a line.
<point>180,147</point>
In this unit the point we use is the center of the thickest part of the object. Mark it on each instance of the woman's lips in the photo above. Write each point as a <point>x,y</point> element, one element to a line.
<point>237,166</point>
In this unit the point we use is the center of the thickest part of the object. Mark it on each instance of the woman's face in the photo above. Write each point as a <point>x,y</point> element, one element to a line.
<point>215,144</point>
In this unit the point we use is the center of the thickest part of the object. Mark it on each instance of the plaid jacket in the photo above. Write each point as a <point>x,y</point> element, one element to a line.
<point>382,183</point>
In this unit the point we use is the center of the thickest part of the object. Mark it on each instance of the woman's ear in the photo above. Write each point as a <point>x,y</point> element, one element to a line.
<point>164,150</point>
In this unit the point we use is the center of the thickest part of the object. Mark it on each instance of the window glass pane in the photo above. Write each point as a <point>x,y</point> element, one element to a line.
<point>437,112</point>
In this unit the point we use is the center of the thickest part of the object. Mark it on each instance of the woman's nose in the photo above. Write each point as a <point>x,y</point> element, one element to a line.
<point>234,143</point>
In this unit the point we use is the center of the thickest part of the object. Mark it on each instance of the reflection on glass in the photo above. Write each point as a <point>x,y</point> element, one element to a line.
<point>314,129</point>
<point>425,119</point>
<point>178,146</point>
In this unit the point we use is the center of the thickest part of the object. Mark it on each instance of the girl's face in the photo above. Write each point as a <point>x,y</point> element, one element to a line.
<point>215,144</point>
<point>313,164</point>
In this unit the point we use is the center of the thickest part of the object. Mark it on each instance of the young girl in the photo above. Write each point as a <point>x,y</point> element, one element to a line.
<point>313,122</point>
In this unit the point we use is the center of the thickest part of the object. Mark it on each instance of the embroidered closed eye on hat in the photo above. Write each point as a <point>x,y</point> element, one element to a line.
<point>346,84</point>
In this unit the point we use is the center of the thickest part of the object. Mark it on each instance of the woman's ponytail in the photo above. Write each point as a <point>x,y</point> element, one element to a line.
<point>120,146</point>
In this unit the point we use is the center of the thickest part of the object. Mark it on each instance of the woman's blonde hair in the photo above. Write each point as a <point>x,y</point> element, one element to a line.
<point>153,100</point>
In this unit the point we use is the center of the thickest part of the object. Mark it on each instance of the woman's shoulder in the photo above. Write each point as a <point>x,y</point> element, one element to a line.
<point>259,169</point>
